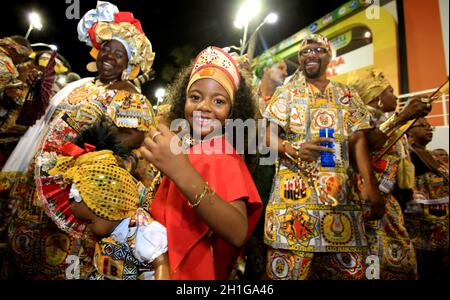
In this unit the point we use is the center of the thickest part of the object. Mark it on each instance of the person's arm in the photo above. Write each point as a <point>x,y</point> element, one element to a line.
<point>161,266</point>
<point>359,151</point>
<point>274,142</point>
<point>377,137</point>
<point>308,151</point>
<point>227,219</point>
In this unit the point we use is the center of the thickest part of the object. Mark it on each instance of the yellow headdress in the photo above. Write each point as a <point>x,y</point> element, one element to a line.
<point>217,64</point>
<point>61,64</point>
<point>106,23</point>
<point>368,83</point>
<point>108,190</point>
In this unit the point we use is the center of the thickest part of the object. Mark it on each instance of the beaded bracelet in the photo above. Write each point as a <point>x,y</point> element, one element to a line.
<point>390,125</point>
<point>311,169</point>
<point>284,144</point>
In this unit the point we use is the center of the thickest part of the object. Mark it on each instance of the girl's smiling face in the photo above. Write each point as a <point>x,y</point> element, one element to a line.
<point>211,102</point>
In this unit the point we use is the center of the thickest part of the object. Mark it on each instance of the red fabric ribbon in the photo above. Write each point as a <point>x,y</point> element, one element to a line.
<point>126,16</point>
<point>379,165</point>
<point>70,149</point>
<point>91,32</point>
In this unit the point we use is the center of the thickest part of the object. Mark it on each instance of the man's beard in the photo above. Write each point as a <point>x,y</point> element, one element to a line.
<point>278,82</point>
<point>312,75</point>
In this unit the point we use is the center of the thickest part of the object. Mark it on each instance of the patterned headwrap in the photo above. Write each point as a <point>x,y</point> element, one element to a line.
<point>106,23</point>
<point>11,44</point>
<point>216,64</point>
<point>266,61</point>
<point>318,39</point>
<point>368,83</point>
<point>108,190</point>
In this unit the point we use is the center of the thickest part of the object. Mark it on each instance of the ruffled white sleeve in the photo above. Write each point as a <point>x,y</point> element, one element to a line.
<point>151,242</point>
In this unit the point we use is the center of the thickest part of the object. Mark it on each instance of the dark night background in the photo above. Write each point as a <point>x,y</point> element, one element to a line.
<point>177,29</point>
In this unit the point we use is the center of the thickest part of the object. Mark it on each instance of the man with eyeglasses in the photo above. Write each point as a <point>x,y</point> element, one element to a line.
<point>318,233</point>
<point>426,216</point>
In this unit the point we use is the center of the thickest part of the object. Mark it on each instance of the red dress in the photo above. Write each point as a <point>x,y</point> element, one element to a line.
<point>192,248</point>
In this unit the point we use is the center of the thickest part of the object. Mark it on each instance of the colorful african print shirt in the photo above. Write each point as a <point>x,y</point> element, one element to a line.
<point>296,217</point>
<point>387,237</point>
<point>426,215</point>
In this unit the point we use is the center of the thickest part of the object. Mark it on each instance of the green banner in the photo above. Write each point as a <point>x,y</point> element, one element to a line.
<point>336,15</point>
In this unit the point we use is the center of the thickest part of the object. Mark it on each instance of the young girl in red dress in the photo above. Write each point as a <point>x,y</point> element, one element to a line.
<point>207,201</point>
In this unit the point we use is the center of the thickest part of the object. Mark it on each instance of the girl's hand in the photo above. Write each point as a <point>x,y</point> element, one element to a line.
<point>162,148</point>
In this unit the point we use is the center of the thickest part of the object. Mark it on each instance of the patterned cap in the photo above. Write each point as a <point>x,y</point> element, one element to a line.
<point>368,83</point>
<point>318,39</point>
<point>217,64</point>
<point>266,61</point>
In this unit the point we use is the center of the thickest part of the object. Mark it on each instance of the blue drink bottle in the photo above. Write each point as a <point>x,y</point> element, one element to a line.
<point>327,158</point>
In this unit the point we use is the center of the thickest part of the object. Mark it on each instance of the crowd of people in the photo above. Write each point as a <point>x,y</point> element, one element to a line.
<point>96,185</point>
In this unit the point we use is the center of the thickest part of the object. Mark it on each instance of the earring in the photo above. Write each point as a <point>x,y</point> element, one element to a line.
<point>125,75</point>
<point>92,67</point>
<point>380,104</point>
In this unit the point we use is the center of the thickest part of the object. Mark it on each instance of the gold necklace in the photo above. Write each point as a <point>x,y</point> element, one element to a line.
<point>98,82</point>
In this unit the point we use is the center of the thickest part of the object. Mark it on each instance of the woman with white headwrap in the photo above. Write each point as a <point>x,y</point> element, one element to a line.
<point>121,50</point>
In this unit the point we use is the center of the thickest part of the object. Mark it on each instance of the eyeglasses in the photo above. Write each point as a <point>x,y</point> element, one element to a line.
<point>317,50</point>
<point>426,126</point>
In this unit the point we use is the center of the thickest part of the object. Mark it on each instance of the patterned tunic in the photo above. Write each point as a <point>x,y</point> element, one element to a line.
<point>427,214</point>
<point>9,131</point>
<point>40,250</point>
<point>296,217</point>
<point>388,238</point>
